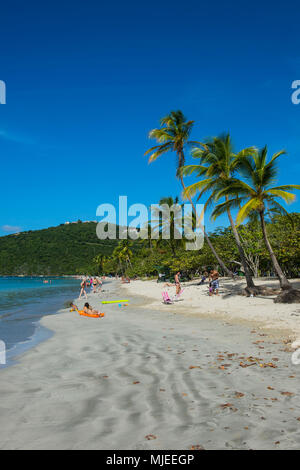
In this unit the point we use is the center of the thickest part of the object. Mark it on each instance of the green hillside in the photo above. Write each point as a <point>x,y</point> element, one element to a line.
<point>67,249</point>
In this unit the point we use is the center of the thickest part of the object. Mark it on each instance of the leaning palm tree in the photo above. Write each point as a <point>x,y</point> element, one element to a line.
<point>217,165</point>
<point>173,136</point>
<point>257,194</point>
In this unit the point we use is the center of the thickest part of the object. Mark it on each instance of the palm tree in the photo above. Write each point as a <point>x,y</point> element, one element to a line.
<point>122,253</point>
<point>166,222</point>
<point>258,196</point>
<point>100,261</point>
<point>217,166</point>
<point>173,136</point>
<point>126,251</point>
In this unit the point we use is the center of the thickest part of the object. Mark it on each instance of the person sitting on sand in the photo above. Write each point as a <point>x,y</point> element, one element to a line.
<point>177,282</point>
<point>73,307</point>
<point>214,283</point>
<point>203,279</point>
<point>89,309</point>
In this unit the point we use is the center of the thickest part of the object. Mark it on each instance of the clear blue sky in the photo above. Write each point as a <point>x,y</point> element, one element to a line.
<point>87,80</point>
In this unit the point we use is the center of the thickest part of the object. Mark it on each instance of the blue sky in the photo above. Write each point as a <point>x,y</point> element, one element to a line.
<point>86,81</point>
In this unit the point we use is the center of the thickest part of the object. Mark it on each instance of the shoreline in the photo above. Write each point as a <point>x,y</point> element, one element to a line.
<point>22,308</point>
<point>111,383</point>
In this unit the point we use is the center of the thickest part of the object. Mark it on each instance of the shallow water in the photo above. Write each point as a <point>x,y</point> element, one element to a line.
<point>23,302</point>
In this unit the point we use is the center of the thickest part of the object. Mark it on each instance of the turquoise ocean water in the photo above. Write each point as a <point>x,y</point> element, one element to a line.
<point>23,302</point>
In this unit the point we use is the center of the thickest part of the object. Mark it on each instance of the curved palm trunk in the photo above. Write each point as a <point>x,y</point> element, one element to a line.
<point>248,274</point>
<point>221,263</point>
<point>284,283</point>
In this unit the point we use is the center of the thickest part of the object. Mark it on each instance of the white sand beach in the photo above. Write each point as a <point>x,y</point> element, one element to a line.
<point>229,305</point>
<point>153,376</point>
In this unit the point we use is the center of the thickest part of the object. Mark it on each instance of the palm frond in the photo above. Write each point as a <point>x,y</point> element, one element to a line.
<point>191,190</point>
<point>279,209</point>
<point>222,208</point>
<point>188,170</point>
<point>252,205</point>
<point>287,197</point>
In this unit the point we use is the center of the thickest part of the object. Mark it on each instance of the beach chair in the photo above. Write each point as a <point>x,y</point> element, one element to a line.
<point>166,298</point>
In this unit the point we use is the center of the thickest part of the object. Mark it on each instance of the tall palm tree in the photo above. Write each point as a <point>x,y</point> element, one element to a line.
<point>173,136</point>
<point>217,165</point>
<point>164,222</point>
<point>257,194</point>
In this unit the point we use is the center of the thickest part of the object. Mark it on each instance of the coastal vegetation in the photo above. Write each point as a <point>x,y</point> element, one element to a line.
<point>283,233</point>
<point>243,181</point>
<point>66,249</point>
<point>75,249</point>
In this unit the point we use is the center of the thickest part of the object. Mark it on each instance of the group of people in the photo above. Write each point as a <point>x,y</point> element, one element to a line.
<point>213,281</point>
<point>94,283</point>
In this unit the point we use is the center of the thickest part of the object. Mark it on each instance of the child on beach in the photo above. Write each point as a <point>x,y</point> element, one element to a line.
<point>214,283</point>
<point>203,279</point>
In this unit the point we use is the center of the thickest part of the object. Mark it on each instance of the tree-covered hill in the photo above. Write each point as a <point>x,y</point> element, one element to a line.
<point>66,249</point>
<point>75,249</point>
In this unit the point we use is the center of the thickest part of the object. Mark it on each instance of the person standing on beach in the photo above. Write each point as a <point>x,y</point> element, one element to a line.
<point>177,283</point>
<point>95,285</point>
<point>83,287</point>
<point>214,283</point>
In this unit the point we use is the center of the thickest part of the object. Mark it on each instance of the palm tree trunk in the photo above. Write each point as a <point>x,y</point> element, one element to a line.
<point>284,283</point>
<point>248,274</point>
<point>221,263</point>
<point>171,244</point>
